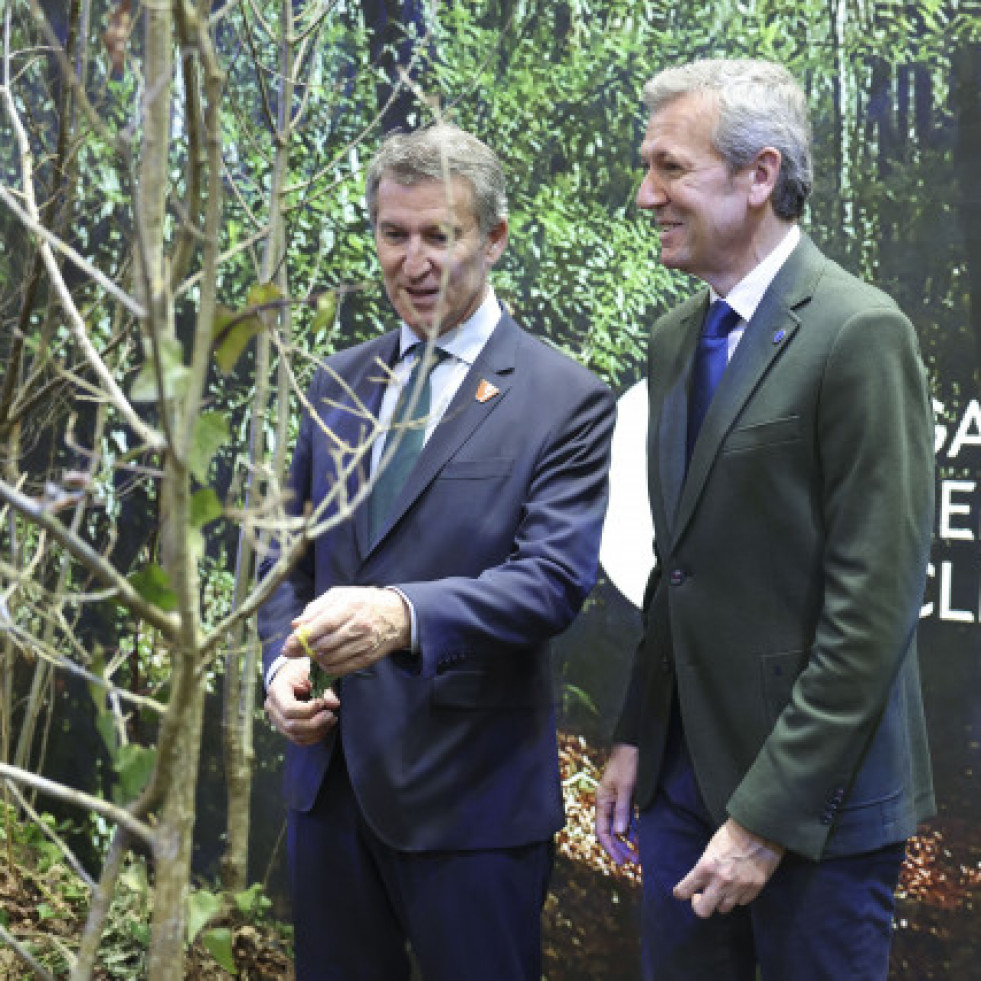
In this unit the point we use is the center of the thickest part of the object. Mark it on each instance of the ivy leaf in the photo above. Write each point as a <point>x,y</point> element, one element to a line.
<point>210,434</point>
<point>134,765</point>
<point>173,373</point>
<point>152,583</point>
<point>201,907</point>
<point>252,900</point>
<point>219,944</point>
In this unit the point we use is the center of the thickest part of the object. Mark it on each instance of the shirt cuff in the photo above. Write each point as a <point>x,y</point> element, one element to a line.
<point>273,668</point>
<point>413,632</point>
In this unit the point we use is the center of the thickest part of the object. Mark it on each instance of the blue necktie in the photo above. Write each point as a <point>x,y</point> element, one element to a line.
<point>410,429</point>
<point>711,359</point>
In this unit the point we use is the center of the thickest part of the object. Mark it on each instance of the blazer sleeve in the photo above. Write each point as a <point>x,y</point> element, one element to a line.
<point>296,589</point>
<point>875,507</point>
<point>537,591</point>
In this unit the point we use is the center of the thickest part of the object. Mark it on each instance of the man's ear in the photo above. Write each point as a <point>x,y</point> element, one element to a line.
<point>765,169</point>
<point>497,238</point>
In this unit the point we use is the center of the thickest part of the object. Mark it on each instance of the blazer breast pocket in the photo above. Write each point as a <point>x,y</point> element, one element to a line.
<point>484,469</point>
<point>763,434</point>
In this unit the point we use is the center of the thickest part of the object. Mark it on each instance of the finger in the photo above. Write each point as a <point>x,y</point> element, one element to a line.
<point>704,904</point>
<point>622,814</point>
<point>691,884</point>
<point>726,904</point>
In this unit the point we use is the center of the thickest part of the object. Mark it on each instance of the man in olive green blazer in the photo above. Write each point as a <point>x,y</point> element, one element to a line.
<point>772,737</point>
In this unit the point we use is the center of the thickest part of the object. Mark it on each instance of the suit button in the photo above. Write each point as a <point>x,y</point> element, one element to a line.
<point>677,577</point>
<point>666,665</point>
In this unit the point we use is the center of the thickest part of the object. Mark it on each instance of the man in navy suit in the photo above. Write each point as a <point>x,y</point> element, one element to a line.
<point>772,737</point>
<point>423,791</point>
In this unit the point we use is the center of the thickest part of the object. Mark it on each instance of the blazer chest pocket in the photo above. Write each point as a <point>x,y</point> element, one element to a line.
<point>784,430</point>
<point>494,466</point>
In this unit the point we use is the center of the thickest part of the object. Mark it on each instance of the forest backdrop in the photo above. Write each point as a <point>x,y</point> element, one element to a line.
<point>184,235</point>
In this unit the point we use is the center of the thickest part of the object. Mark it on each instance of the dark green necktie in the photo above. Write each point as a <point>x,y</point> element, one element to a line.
<point>409,428</point>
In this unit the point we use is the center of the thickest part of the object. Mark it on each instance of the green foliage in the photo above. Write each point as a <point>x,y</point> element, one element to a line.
<point>152,584</point>
<point>202,906</point>
<point>219,944</point>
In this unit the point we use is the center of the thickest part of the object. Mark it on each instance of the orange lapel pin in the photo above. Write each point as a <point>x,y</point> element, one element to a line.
<point>486,391</point>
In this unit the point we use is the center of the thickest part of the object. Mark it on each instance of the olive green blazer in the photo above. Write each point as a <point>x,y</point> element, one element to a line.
<point>790,570</point>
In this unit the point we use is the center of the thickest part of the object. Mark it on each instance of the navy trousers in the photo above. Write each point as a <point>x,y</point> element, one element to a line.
<point>814,921</point>
<point>359,904</point>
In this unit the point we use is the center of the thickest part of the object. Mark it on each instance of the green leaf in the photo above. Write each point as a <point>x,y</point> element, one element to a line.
<point>205,507</point>
<point>232,331</point>
<point>173,373</point>
<point>210,434</point>
<point>326,310</point>
<point>219,944</point>
<point>134,765</point>
<point>201,907</point>
<point>152,583</point>
<point>252,900</point>
<point>134,878</point>
<point>46,912</point>
<point>262,293</point>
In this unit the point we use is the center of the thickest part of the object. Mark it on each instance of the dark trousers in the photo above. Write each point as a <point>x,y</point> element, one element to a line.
<point>358,903</point>
<point>814,921</point>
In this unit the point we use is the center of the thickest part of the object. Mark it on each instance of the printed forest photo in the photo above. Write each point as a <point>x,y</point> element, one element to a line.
<point>185,239</point>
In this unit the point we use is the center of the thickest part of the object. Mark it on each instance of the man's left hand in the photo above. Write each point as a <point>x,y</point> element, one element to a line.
<point>349,628</point>
<point>732,871</point>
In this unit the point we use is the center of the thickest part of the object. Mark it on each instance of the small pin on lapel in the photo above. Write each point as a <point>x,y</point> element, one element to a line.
<point>486,391</point>
<point>779,336</point>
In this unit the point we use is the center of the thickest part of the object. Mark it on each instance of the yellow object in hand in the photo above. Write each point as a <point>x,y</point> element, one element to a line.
<point>320,680</point>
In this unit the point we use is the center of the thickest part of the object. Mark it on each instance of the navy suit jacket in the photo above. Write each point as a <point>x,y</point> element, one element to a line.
<point>494,540</point>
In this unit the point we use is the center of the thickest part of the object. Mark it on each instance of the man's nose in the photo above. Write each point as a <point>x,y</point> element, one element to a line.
<point>416,262</point>
<point>650,194</point>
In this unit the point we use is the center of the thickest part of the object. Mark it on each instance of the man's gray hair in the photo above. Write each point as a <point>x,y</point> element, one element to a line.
<point>760,104</point>
<point>434,154</point>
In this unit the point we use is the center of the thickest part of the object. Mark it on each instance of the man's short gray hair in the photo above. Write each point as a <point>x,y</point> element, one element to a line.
<point>436,153</point>
<point>760,104</point>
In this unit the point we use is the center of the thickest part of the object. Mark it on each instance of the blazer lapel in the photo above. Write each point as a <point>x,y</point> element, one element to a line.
<point>368,390</point>
<point>670,426</point>
<point>767,335</point>
<point>465,413</point>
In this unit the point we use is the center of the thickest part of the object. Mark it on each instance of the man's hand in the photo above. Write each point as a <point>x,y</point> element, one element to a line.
<point>735,866</point>
<point>615,802</point>
<point>301,719</point>
<point>351,627</point>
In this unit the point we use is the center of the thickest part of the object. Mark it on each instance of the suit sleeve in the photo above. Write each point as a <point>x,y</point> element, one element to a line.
<point>296,590</point>
<point>875,447</point>
<point>537,591</point>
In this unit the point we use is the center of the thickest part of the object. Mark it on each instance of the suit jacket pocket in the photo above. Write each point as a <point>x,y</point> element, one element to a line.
<point>763,434</point>
<point>469,689</point>
<point>779,672</point>
<point>492,466</point>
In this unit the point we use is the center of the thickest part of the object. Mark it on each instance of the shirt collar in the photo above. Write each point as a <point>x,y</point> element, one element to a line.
<point>746,295</point>
<point>467,339</point>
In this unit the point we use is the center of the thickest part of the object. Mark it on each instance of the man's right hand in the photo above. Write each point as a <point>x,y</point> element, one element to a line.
<point>615,803</point>
<point>301,719</point>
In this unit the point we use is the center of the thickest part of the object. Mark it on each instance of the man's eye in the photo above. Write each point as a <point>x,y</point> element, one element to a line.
<point>393,235</point>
